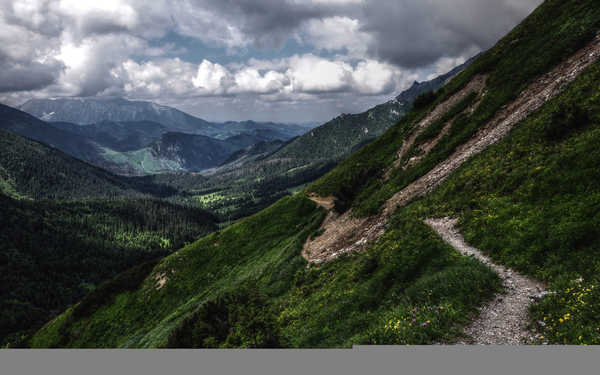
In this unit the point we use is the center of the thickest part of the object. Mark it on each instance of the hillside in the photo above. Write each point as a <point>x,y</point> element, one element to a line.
<point>28,126</point>
<point>85,111</point>
<point>33,170</point>
<point>345,134</point>
<point>508,148</point>
<point>76,247</point>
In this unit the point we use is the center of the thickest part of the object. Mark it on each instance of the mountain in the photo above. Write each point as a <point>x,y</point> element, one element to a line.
<point>507,151</point>
<point>192,152</point>
<point>174,152</point>
<point>84,111</point>
<point>34,170</point>
<point>28,126</point>
<point>118,136</point>
<point>93,110</point>
<point>139,147</point>
<point>134,137</point>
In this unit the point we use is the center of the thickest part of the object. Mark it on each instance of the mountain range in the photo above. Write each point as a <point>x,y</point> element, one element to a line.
<point>131,137</point>
<point>94,110</point>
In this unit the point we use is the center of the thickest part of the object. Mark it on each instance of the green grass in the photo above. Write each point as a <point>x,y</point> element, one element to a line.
<point>553,32</point>
<point>531,202</point>
<point>337,305</point>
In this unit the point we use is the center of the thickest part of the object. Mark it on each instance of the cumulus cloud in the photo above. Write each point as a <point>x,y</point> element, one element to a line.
<point>442,28</point>
<point>337,33</point>
<point>361,50</point>
<point>293,78</point>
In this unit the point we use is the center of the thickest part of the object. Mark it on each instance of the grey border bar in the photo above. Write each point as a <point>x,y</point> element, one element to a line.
<point>427,360</point>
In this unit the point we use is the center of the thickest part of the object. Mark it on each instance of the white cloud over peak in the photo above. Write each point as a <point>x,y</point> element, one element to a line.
<point>351,52</point>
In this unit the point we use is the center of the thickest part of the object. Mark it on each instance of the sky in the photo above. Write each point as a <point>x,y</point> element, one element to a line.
<point>265,60</point>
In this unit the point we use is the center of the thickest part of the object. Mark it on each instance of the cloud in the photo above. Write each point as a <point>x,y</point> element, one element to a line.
<point>359,51</point>
<point>16,76</point>
<point>337,33</point>
<point>292,78</point>
<point>442,28</point>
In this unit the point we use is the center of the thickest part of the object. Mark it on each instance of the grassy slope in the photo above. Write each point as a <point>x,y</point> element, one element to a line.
<point>340,304</point>
<point>370,297</point>
<point>549,35</point>
<point>533,202</point>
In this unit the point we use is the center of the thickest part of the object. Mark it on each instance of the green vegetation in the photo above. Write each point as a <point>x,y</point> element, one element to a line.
<point>549,35</point>
<point>37,171</point>
<point>243,192</point>
<point>248,286</point>
<point>52,254</point>
<point>531,202</point>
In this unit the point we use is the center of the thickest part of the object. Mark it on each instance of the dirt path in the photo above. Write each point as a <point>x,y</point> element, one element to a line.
<point>345,233</point>
<point>327,202</point>
<point>504,320</point>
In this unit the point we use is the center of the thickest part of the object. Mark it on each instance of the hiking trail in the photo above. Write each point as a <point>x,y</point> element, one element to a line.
<point>504,320</point>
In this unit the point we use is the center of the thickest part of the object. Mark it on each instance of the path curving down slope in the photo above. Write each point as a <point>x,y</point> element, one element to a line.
<point>504,320</point>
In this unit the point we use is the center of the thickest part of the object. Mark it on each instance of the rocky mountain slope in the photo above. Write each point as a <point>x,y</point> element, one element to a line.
<point>508,148</point>
<point>348,132</point>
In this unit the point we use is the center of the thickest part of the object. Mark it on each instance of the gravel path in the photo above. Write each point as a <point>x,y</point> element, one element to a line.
<point>504,320</point>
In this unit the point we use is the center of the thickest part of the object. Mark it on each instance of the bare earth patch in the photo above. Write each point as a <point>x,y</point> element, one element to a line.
<point>344,233</point>
<point>504,320</point>
<point>477,84</point>
<point>160,279</point>
<point>327,202</point>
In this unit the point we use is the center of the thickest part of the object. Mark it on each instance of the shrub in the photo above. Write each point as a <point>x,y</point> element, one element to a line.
<point>425,99</point>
